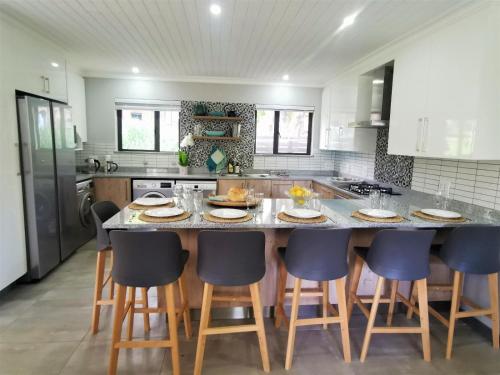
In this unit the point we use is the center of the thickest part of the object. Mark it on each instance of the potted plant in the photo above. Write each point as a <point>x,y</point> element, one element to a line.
<point>186,142</point>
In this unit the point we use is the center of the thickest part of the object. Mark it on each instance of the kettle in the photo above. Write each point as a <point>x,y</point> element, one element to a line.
<point>93,164</point>
<point>111,166</point>
<point>230,112</point>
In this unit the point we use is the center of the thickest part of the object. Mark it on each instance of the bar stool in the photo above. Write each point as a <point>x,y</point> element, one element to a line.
<point>317,255</point>
<point>397,255</point>
<point>231,259</point>
<point>145,260</point>
<point>473,249</point>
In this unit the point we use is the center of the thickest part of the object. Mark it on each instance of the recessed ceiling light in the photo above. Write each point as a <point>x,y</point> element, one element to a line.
<point>215,9</point>
<point>135,70</point>
<point>348,21</point>
<point>54,64</point>
<point>378,81</point>
<point>285,77</point>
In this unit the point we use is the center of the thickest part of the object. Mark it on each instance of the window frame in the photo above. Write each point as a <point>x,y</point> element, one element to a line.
<point>276,134</point>
<point>156,134</point>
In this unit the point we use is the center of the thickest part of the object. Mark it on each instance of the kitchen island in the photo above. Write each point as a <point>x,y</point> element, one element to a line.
<point>339,213</point>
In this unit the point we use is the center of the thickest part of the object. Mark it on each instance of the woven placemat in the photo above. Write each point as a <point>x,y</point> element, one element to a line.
<point>214,219</point>
<point>284,217</point>
<point>421,215</point>
<point>359,215</point>
<point>233,204</point>
<point>135,206</point>
<point>151,219</point>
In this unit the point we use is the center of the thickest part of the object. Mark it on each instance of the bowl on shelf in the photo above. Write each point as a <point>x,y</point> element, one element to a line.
<point>215,133</point>
<point>217,113</point>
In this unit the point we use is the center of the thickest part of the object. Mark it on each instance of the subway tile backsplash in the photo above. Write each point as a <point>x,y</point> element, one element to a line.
<point>320,161</point>
<point>476,182</point>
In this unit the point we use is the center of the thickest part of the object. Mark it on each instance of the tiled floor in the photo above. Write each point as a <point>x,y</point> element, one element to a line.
<point>44,329</point>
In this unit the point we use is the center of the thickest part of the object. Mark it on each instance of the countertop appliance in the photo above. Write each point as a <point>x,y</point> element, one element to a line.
<point>48,165</point>
<point>85,199</point>
<point>152,188</point>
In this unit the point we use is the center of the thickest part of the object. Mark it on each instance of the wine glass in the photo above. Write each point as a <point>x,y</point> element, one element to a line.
<point>178,190</point>
<point>250,198</point>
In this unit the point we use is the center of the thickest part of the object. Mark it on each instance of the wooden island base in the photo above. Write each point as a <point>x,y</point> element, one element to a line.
<point>232,296</point>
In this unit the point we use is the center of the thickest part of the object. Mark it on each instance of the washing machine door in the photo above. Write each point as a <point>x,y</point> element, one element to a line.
<point>84,210</point>
<point>155,194</point>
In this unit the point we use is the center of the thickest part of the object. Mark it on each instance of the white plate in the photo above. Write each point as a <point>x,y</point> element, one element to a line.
<point>152,201</point>
<point>302,213</point>
<point>228,213</point>
<point>164,212</point>
<point>381,214</point>
<point>441,213</point>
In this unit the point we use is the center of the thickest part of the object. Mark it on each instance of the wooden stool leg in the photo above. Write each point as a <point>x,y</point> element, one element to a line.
<point>344,320</point>
<point>455,304</point>
<point>117,328</point>
<point>424,318</point>
<point>280,298</point>
<point>111,282</point>
<point>353,288</point>
<point>145,304</point>
<point>205,313</point>
<point>172,328</point>
<point>99,278</point>
<point>186,314</point>
<point>371,320</point>
<point>293,323</point>
<point>392,303</point>
<point>493,281</point>
<point>326,301</point>
<point>259,321</point>
<point>131,312</point>
<point>413,292</point>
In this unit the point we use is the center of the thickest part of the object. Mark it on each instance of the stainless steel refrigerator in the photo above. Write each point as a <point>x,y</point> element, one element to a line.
<point>49,182</point>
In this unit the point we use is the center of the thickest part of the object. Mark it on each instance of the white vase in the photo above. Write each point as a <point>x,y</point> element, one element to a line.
<point>183,171</point>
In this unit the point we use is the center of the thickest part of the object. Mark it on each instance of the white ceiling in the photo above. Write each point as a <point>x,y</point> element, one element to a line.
<point>251,40</point>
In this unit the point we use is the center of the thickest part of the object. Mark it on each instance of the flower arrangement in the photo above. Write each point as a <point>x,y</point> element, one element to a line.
<point>183,156</point>
<point>300,195</point>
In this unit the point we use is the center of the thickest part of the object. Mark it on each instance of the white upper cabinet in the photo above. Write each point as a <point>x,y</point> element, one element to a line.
<point>76,99</point>
<point>338,110</point>
<point>34,65</point>
<point>445,91</point>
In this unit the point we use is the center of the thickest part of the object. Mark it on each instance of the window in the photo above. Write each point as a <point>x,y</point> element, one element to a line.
<point>283,131</point>
<point>142,127</point>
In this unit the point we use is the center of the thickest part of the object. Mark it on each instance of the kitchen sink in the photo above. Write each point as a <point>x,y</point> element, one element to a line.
<point>256,175</point>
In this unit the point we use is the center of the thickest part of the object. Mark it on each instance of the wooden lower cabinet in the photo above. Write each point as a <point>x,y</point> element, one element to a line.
<point>116,190</point>
<point>328,193</point>
<point>279,189</point>
<point>261,186</point>
<point>223,185</point>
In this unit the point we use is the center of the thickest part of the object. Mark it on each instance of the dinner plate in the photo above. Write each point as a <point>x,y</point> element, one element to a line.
<point>302,213</point>
<point>228,213</point>
<point>164,212</point>
<point>152,201</point>
<point>380,214</point>
<point>441,213</point>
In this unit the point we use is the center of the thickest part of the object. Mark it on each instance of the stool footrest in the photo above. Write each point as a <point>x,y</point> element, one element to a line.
<point>317,321</point>
<point>305,292</point>
<point>470,313</point>
<point>231,298</point>
<point>397,330</point>
<point>143,344</point>
<point>230,329</point>
<point>104,302</point>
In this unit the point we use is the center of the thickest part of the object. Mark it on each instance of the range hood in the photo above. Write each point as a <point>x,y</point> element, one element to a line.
<point>373,108</point>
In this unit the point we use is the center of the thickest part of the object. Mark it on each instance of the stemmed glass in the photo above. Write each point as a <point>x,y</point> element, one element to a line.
<point>250,198</point>
<point>178,190</point>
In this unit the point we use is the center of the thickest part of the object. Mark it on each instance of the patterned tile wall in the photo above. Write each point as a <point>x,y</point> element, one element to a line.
<point>476,182</point>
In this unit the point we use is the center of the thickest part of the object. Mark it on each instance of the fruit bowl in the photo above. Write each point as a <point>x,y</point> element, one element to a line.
<point>300,196</point>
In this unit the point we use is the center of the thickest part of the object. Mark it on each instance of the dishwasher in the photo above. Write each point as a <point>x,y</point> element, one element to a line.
<point>208,186</point>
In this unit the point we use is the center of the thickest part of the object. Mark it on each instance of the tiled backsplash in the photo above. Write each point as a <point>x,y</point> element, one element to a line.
<point>475,182</point>
<point>354,163</point>
<point>322,160</point>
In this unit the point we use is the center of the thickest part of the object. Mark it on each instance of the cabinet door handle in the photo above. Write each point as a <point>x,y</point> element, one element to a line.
<point>44,82</point>
<point>424,135</point>
<point>419,135</point>
<point>48,84</point>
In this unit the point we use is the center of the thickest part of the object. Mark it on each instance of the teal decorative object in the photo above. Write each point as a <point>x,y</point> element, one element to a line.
<point>217,113</point>
<point>215,133</point>
<point>217,160</point>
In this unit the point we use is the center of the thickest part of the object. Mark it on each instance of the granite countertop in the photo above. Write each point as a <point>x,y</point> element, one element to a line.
<point>338,211</point>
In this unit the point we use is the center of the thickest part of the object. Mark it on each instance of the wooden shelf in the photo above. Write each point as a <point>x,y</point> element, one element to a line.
<point>206,138</point>
<point>217,118</point>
